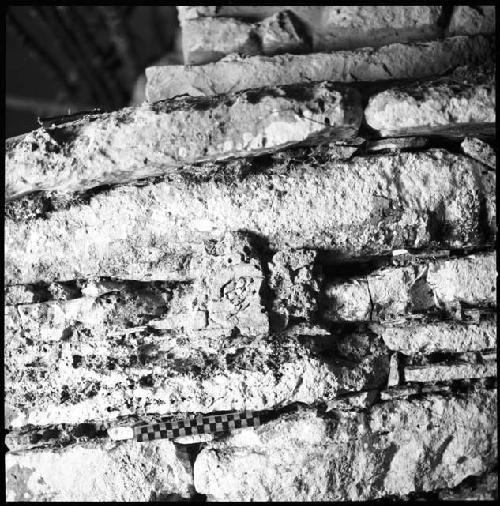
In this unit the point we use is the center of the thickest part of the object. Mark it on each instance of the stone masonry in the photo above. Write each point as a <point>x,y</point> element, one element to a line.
<point>300,222</point>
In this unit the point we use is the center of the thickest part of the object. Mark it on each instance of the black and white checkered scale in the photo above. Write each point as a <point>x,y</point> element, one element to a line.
<point>211,424</point>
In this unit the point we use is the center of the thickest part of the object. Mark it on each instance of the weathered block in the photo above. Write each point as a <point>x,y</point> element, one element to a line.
<point>480,151</point>
<point>94,472</point>
<point>328,27</point>
<point>394,61</point>
<point>460,105</point>
<point>149,140</point>
<point>449,372</point>
<point>207,39</point>
<point>398,448</point>
<point>390,292</point>
<point>434,337</point>
<point>472,19</point>
<point>371,205</point>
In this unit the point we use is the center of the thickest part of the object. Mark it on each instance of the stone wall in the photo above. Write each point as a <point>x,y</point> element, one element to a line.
<point>301,222</point>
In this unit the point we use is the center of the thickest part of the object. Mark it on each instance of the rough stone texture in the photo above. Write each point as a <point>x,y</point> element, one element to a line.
<point>329,27</point>
<point>371,204</point>
<point>148,140</point>
<point>483,488</point>
<point>390,450</point>
<point>472,19</point>
<point>480,151</point>
<point>394,291</point>
<point>394,61</point>
<point>449,372</point>
<point>125,472</point>
<point>208,39</point>
<point>455,103</point>
<point>432,337</point>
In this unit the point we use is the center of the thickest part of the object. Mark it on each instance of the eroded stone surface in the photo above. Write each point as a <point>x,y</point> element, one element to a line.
<point>440,336</point>
<point>367,205</point>
<point>480,151</point>
<point>449,372</point>
<point>93,472</point>
<point>472,19</point>
<point>394,61</point>
<point>397,448</point>
<point>329,27</point>
<point>466,97</point>
<point>148,140</point>
<point>440,285</point>
<point>207,39</point>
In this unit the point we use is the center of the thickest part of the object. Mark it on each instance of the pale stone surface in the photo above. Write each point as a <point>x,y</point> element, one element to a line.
<point>472,19</point>
<point>471,280</point>
<point>304,203</point>
<point>440,336</point>
<point>393,379</point>
<point>126,472</point>
<point>399,447</point>
<point>394,61</point>
<point>480,151</point>
<point>457,102</point>
<point>329,27</point>
<point>390,292</point>
<point>148,140</point>
<point>449,372</point>
<point>207,39</point>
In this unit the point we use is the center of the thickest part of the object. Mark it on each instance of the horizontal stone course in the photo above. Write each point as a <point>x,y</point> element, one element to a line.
<point>328,27</point>
<point>391,292</point>
<point>449,372</point>
<point>367,205</point>
<point>394,61</point>
<point>398,447</point>
<point>149,140</point>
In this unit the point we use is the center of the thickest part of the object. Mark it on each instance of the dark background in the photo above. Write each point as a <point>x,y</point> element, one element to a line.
<point>64,59</point>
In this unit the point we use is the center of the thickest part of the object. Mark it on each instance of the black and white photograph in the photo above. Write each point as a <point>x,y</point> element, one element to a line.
<point>250,253</point>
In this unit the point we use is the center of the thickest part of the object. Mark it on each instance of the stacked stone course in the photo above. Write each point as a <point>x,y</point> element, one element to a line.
<point>300,222</point>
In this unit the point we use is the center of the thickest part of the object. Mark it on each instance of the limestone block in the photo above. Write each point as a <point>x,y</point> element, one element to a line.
<point>434,337</point>
<point>149,140</point>
<point>472,19</point>
<point>397,448</point>
<point>206,39</point>
<point>394,61</point>
<point>471,280</point>
<point>329,27</point>
<point>366,205</point>
<point>480,151</point>
<point>459,104</point>
<point>127,472</point>
<point>449,372</point>
<point>390,292</point>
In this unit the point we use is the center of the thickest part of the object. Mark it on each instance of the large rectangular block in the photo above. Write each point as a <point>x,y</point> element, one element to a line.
<point>367,205</point>
<point>393,61</point>
<point>149,140</point>
<point>397,448</point>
